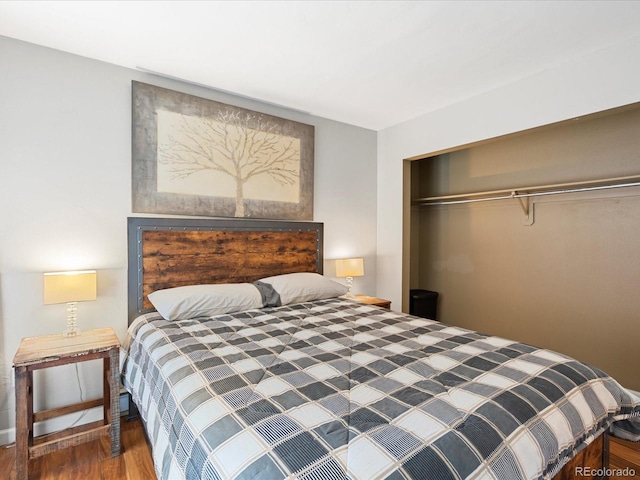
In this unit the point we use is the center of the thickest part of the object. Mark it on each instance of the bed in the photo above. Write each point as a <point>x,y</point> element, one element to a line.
<point>307,384</point>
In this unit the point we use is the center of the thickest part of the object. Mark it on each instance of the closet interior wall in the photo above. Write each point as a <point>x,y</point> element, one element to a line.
<point>567,282</point>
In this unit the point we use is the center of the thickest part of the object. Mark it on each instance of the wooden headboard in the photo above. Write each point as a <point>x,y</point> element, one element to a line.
<point>173,252</point>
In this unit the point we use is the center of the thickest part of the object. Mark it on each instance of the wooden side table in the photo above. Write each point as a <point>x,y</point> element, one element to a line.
<point>52,350</point>
<point>378,302</point>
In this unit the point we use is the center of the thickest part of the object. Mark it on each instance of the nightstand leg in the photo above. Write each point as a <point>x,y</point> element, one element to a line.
<point>112,404</point>
<point>24,420</point>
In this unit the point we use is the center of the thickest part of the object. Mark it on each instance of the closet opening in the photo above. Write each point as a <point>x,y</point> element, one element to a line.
<point>508,257</point>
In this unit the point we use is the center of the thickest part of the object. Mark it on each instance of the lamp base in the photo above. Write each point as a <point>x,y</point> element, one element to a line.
<point>72,329</point>
<point>71,332</point>
<point>349,282</point>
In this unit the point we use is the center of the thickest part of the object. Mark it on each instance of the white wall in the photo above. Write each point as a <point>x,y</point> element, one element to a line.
<point>604,79</point>
<point>65,195</point>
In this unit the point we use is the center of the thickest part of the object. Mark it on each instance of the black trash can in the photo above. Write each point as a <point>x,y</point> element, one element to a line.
<point>423,303</point>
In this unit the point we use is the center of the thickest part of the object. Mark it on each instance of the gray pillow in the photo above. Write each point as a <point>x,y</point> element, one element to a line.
<point>181,303</point>
<point>304,287</point>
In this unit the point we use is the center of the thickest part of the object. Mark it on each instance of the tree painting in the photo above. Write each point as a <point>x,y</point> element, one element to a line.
<point>232,153</point>
<point>196,156</point>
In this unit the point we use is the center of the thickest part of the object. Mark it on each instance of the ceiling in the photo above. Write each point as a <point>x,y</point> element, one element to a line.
<point>372,64</point>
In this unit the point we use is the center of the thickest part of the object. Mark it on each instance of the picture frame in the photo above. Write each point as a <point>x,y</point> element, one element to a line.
<point>196,156</point>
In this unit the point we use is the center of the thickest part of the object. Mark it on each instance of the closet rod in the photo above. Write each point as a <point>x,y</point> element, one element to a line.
<point>535,191</point>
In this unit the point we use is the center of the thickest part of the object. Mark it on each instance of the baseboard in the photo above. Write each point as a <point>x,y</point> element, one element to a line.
<point>7,437</point>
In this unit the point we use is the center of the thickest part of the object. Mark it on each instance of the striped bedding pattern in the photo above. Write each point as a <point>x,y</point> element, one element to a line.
<point>334,389</point>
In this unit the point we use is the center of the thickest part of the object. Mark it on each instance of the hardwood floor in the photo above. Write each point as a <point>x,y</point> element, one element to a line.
<point>92,461</point>
<point>624,455</point>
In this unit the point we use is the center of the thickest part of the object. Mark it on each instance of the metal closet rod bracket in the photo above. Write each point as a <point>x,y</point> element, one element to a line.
<point>527,207</point>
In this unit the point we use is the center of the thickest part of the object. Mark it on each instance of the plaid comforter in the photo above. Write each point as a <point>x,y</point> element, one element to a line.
<point>335,390</point>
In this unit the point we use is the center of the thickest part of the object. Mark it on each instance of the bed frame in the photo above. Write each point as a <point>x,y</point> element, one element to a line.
<point>173,252</point>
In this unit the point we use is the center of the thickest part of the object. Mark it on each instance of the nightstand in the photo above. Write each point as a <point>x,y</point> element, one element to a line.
<point>47,351</point>
<point>378,302</point>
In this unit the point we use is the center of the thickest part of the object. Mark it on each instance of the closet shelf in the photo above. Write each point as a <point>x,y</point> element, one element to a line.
<point>532,191</point>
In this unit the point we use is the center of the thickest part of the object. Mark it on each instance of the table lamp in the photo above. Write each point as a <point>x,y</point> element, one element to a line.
<point>348,268</point>
<point>70,288</point>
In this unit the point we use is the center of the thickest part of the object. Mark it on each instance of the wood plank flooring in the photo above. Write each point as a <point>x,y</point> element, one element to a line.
<point>90,461</point>
<point>93,461</point>
<point>624,455</point>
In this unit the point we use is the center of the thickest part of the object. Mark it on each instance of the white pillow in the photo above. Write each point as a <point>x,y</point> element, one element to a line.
<point>304,287</point>
<point>181,303</point>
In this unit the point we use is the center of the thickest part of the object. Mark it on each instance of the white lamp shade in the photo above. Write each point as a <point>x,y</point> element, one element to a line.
<point>349,267</point>
<point>64,287</point>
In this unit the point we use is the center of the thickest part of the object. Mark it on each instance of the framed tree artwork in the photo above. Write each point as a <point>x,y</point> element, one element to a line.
<point>194,156</point>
